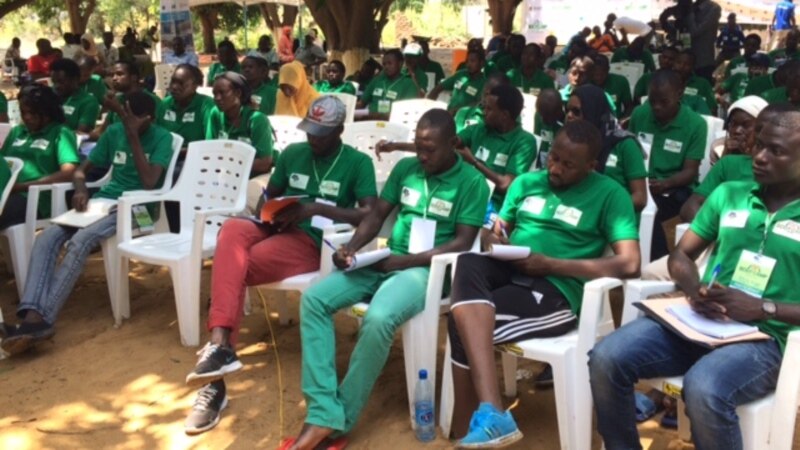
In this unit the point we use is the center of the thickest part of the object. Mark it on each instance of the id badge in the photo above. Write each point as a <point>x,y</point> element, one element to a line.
<point>142,218</point>
<point>752,273</point>
<point>321,222</point>
<point>423,233</point>
<point>384,106</point>
<point>328,187</point>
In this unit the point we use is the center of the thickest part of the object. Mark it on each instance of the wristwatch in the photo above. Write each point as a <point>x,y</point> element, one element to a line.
<point>769,309</point>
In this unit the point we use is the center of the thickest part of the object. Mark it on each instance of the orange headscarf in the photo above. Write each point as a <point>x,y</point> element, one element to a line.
<point>294,74</point>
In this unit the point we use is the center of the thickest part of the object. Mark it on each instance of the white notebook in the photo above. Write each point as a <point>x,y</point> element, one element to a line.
<point>710,327</point>
<point>96,209</point>
<point>368,258</point>
<point>507,252</point>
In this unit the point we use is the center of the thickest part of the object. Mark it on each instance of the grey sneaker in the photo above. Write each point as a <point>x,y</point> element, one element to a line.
<point>210,401</point>
<point>215,362</point>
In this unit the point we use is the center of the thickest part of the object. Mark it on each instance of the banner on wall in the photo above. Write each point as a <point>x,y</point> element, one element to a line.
<point>176,20</point>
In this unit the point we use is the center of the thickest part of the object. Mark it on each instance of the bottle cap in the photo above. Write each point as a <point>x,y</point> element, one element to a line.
<point>423,374</point>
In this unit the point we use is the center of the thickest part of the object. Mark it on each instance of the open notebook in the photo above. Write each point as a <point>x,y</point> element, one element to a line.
<point>96,209</point>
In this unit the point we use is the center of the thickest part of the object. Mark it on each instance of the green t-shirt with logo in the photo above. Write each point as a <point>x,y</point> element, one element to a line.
<point>619,89</point>
<point>254,129</point>
<point>381,92</point>
<point>468,116</point>
<point>96,87</point>
<point>533,84</point>
<point>510,153</point>
<point>735,63</point>
<point>324,87</point>
<point>696,104</point>
<point>626,163</point>
<point>548,133</point>
<point>264,98</point>
<point>217,68</point>
<point>80,109</point>
<point>728,168</point>
<point>466,89</point>
<point>456,197</point>
<point>189,122</point>
<point>775,95</point>
<point>736,85</point>
<point>736,219</point>
<point>623,55</point>
<point>113,150</point>
<point>672,144</point>
<point>42,153</point>
<point>760,84</point>
<point>701,88</point>
<point>576,222</point>
<point>343,178</point>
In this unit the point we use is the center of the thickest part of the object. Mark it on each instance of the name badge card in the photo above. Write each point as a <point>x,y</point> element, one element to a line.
<point>752,273</point>
<point>423,233</point>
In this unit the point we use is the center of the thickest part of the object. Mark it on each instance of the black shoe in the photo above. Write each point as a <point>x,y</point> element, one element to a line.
<point>545,378</point>
<point>215,362</point>
<point>25,336</point>
<point>210,401</point>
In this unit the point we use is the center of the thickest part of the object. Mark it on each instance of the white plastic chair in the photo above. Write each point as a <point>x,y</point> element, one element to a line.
<point>14,114</point>
<point>646,223</point>
<point>349,101</point>
<point>163,76</point>
<point>286,131</point>
<point>5,129</point>
<point>408,112</point>
<point>716,130</point>
<point>15,165</point>
<point>364,135</point>
<point>444,97</point>
<point>630,70</point>
<point>567,355</point>
<point>528,112</point>
<point>767,423</point>
<point>212,185</point>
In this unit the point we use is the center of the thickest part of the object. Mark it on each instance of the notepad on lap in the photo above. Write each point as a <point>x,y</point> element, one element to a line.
<point>507,252</point>
<point>96,209</point>
<point>365,259</point>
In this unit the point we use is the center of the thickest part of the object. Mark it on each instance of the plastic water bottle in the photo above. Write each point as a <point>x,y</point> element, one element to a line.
<point>425,427</point>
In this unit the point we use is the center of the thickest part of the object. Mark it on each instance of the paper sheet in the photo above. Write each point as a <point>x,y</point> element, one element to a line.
<point>368,258</point>
<point>96,209</point>
<point>508,252</point>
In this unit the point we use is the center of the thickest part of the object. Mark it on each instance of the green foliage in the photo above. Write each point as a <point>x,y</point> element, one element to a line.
<point>408,5</point>
<point>116,15</point>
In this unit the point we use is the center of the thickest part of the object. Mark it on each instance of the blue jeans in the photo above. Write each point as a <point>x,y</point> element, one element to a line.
<point>48,285</point>
<point>715,382</point>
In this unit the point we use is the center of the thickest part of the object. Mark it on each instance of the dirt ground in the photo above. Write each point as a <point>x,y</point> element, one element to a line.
<point>96,386</point>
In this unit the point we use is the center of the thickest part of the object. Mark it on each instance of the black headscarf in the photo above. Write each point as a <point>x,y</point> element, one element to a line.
<point>597,111</point>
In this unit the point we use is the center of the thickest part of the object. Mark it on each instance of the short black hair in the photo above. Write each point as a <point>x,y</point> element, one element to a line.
<point>665,77</point>
<point>69,67</point>
<point>536,48</point>
<point>141,104</point>
<point>516,38</point>
<point>754,37</point>
<point>509,99</point>
<point>130,68</point>
<point>479,53</point>
<point>583,133</point>
<point>441,120</point>
<point>197,74</point>
<point>226,44</point>
<point>42,100</point>
<point>338,64</point>
<point>601,61</point>
<point>396,53</point>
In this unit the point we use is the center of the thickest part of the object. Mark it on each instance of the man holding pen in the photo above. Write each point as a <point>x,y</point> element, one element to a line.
<point>334,178</point>
<point>755,228</point>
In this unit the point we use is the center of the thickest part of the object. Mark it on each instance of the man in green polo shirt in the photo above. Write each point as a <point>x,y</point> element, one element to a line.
<point>752,44</point>
<point>615,85</point>
<point>666,61</point>
<point>412,53</point>
<point>140,154</point>
<point>389,86</point>
<point>473,115</point>
<point>441,202</point>
<point>80,108</point>
<point>427,64</point>
<point>465,86</point>
<point>227,61</point>
<point>264,93</point>
<point>694,85</point>
<point>755,229</point>
<point>778,78</point>
<point>636,52</point>
<point>789,53</point>
<point>674,137</point>
<point>568,216</point>
<point>92,83</point>
<point>547,122</point>
<point>736,85</point>
<point>512,57</point>
<point>339,184</point>
<point>530,77</point>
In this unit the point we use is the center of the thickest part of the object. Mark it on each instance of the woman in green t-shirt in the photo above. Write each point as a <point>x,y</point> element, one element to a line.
<point>620,158</point>
<point>47,147</point>
<point>335,80</point>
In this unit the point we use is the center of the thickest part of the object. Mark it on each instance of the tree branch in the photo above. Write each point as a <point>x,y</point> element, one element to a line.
<point>13,5</point>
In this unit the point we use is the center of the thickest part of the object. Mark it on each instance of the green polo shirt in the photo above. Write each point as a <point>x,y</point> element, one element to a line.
<point>715,222</point>
<point>622,55</point>
<point>504,63</point>
<point>254,129</point>
<point>577,222</point>
<point>672,144</point>
<point>264,98</point>
<point>42,153</point>
<point>560,64</point>
<point>626,163</point>
<point>217,68</point>
<point>3,104</point>
<point>728,168</point>
<point>435,68</point>
<point>775,95</point>
<point>533,84</point>
<point>642,86</point>
<point>566,91</point>
<point>548,133</point>
<point>696,104</point>
<point>324,87</point>
<point>112,117</point>
<point>468,116</point>
<point>760,84</point>
<point>508,153</point>
<point>347,176</point>
<point>702,88</point>
<point>96,87</point>
<point>456,197</point>
<point>779,57</point>
<point>619,89</point>
<point>736,85</point>
<point>80,109</point>
<point>381,89</point>
<point>189,122</point>
<point>113,150</point>
<point>733,64</point>
<point>422,77</point>
<point>466,89</point>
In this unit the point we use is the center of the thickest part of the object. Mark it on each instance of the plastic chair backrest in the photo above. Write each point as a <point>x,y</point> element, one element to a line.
<point>15,165</point>
<point>214,175</point>
<point>444,97</point>
<point>408,112</point>
<point>14,114</point>
<point>177,143</point>
<point>286,131</point>
<point>5,129</point>
<point>163,75</point>
<point>716,128</point>
<point>528,112</point>
<point>630,70</point>
<point>349,101</point>
<point>364,135</point>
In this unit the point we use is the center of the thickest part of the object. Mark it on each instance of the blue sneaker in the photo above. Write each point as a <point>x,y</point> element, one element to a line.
<point>490,428</point>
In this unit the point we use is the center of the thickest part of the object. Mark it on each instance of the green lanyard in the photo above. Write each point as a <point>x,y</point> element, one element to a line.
<point>316,174</point>
<point>386,88</point>
<point>428,197</point>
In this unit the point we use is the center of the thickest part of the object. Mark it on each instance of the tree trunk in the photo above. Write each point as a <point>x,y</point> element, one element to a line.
<point>502,14</point>
<point>274,21</point>
<point>208,20</point>
<point>13,5</point>
<point>79,19</point>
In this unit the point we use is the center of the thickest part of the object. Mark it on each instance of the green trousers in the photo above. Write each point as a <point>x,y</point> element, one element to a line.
<point>396,297</point>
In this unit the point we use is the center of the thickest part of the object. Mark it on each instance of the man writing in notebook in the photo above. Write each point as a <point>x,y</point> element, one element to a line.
<point>140,154</point>
<point>755,227</point>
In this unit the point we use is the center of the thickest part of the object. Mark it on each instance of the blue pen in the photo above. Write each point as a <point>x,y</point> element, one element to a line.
<point>264,194</point>
<point>714,275</point>
<point>328,243</point>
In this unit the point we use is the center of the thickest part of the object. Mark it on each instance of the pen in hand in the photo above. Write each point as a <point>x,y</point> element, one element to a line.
<point>714,275</point>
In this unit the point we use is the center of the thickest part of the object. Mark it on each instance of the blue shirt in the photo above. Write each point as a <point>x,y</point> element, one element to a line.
<point>185,58</point>
<point>784,12</point>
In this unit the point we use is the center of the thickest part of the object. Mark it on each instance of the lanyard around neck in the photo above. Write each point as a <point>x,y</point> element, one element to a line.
<point>330,169</point>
